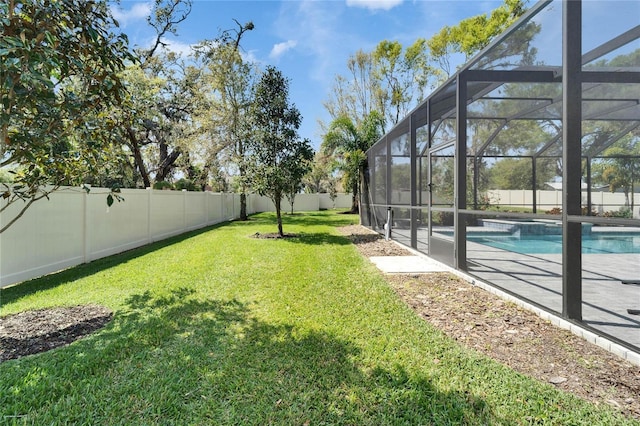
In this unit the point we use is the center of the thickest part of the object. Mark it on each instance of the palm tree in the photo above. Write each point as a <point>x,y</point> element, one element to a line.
<point>348,142</point>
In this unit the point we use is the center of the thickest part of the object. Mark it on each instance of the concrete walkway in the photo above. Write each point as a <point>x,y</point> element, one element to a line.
<point>407,264</point>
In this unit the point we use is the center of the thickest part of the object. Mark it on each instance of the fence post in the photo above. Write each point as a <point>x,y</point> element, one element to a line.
<point>223,206</point>
<point>149,208</point>
<point>86,226</point>
<point>184,210</point>
<point>206,208</point>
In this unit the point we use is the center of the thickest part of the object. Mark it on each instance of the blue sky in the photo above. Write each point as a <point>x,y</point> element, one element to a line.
<point>309,41</point>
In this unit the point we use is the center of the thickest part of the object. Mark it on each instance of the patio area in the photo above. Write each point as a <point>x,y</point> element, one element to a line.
<point>538,278</point>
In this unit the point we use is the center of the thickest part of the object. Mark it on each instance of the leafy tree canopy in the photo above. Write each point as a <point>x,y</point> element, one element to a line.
<point>473,34</point>
<point>59,75</point>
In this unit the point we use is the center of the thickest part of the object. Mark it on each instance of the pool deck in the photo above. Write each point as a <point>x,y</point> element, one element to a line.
<point>538,278</point>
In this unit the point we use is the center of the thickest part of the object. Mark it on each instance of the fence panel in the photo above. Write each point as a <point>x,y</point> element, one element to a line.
<point>342,201</point>
<point>304,202</point>
<point>47,238</point>
<point>601,201</point>
<point>214,208</point>
<point>195,210</point>
<point>228,206</point>
<point>123,226</point>
<point>167,214</point>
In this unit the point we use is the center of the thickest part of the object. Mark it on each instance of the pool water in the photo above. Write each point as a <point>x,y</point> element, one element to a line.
<point>552,244</point>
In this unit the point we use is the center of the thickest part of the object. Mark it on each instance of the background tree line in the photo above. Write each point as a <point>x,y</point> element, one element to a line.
<point>81,107</point>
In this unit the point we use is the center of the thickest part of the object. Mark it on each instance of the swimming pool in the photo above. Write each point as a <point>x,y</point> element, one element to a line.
<point>552,244</point>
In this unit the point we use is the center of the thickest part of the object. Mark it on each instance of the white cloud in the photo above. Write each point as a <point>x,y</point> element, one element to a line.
<point>137,12</point>
<point>281,48</point>
<point>177,47</point>
<point>315,26</point>
<point>251,57</point>
<point>374,4</point>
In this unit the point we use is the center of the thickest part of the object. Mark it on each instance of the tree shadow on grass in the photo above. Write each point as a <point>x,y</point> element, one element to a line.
<point>327,218</point>
<point>177,359</point>
<point>316,238</point>
<point>304,219</point>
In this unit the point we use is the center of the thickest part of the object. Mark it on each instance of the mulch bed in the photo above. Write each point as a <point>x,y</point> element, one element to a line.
<point>35,331</point>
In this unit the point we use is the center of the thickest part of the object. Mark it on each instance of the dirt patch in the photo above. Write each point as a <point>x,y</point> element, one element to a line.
<point>509,334</point>
<point>32,332</point>
<point>370,243</point>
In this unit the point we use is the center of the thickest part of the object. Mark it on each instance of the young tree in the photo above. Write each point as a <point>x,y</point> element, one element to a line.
<point>318,179</point>
<point>275,145</point>
<point>619,168</point>
<point>58,79</point>
<point>297,166</point>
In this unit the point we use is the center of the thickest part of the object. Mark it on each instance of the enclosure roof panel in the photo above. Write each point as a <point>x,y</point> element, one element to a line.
<point>519,75</point>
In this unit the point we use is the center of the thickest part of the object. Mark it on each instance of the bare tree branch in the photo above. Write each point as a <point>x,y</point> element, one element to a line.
<point>164,19</point>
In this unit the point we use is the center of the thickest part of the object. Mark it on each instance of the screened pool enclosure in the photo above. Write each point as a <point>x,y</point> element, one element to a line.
<point>523,169</point>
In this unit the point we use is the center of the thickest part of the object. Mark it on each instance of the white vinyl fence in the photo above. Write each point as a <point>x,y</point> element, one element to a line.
<point>602,201</point>
<point>304,203</point>
<point>75,227</point>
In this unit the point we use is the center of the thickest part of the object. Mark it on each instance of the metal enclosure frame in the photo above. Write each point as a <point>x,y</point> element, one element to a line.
<point>584,106</point>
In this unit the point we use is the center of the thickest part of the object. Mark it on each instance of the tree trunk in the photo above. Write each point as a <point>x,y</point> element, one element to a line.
<point>166,162</point>
<point>243,188</point>
<point>278,215</point>
<point>137,157</point>
<point>633,195</point>
<point>626,197</point>
<point>355,205</point>
<point>243,206</point>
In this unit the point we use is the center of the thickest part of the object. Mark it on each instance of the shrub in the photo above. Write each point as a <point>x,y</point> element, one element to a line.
<point>162,185</point>
<point>187,184</point>
<point>443,218</point>
<point>624,213</point>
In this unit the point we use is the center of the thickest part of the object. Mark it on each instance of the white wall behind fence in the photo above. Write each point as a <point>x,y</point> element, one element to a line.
<point>74,227</point>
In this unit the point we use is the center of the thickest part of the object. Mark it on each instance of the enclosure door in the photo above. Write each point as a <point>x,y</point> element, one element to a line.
<point>442,185</point>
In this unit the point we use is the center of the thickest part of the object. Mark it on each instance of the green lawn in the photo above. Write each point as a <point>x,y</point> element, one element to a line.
<point>215,327</point>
